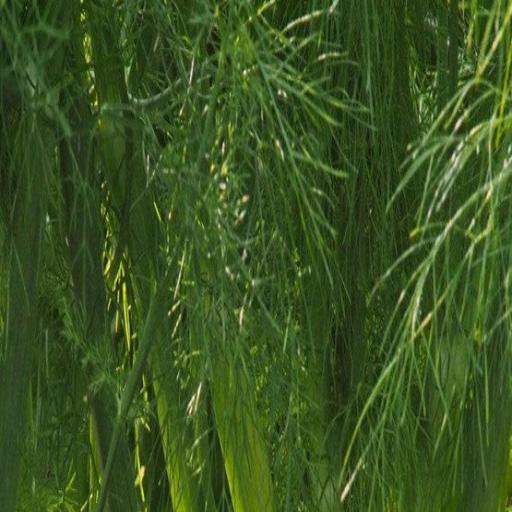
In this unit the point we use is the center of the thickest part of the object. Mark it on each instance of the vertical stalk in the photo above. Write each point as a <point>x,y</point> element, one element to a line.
<point>131,197</point>
<point>85,239</point>
<point>245,454</point>
<point>447,51</point>
<point>19,341</point>
<point>28,173</point>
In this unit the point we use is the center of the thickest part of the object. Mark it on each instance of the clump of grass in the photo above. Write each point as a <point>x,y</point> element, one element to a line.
<point>272,241</point>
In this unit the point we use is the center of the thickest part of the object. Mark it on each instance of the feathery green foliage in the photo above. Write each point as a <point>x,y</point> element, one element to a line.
<point>256,255</point>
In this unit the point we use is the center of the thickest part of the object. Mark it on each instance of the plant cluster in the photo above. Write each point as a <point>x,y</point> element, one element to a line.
<point>255,255</point>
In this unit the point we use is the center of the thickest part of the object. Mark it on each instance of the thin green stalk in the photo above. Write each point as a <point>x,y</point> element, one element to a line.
<point>157,310</point>
<point>21,326</point>
<point>85,241</point>
<point>27,175</point>
<point>120,144</point>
